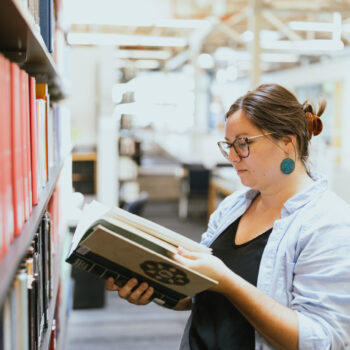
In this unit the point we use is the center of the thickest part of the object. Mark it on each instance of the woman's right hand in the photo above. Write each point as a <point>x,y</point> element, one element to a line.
<point>139,296</point>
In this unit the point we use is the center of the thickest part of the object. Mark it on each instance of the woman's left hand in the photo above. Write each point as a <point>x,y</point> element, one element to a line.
<point>204,263</point>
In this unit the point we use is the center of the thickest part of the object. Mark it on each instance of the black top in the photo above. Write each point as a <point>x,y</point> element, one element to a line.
<point>216,323</point>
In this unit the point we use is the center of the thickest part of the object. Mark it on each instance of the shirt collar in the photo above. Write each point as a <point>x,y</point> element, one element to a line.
<point>313,191</point>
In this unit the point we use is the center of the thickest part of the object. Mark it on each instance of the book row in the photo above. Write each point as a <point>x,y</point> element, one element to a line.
<point>25,313</point>
<point>33,139</point>
<point>43,15</point>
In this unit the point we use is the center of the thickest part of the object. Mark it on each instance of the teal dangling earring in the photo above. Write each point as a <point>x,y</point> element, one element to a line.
<point>287,166</point>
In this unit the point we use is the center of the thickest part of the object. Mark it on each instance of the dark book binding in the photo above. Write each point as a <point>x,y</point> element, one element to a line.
<point>104,268</point>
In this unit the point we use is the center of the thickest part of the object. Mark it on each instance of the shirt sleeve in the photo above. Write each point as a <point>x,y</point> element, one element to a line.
<point>321,287</point>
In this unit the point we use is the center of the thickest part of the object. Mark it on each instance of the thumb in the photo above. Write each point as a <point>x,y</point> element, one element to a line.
<point>180,259</point>
<point>187,254</point>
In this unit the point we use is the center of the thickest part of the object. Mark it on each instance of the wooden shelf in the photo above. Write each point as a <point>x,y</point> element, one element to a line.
<point>19,247</point>
<point>45,340</point>
<point>21,41</point>
<point>83,157</point>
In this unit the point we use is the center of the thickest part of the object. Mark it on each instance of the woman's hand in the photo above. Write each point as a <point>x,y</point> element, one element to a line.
<point>139,296</point>
<point>206,264</point>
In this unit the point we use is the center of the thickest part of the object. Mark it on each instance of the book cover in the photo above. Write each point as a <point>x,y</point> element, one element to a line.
<point>123,245</point>
<point>23,317</point>
<point>24,100</point>
<point>42,94</point>
<point>26,124</point>
<point>17,148</point>
<point>14,315</point>
<point>6,202</point>
<point>32,304</point>
<point>7,331</point>
<point>34,148</point>
<point>46,22</point>
<point>41,106</point>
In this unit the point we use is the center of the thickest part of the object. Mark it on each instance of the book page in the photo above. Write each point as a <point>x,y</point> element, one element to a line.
<point>91,213</point>
<point>133,233</point>
<point>156,230</point>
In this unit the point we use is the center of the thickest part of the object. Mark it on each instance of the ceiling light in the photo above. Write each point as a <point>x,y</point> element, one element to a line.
<point>143,54</point>
<point>139,64</point>
<point>247,36</point>
<point>311,26</point>
<point>279,57</point>
<point>265,34</point>
<point>336,26</point>
<point>178,60</point>
<point>161,23</point>
<point>225,54</point>
<point>232,73</point>
<point>221,76</point>
<point>304,45</point>
<point>127,40</point>
<point>182,23</point>
<point>205,61</point>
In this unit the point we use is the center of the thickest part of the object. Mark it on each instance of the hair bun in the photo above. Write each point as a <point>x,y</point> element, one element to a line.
<point>314,124</point>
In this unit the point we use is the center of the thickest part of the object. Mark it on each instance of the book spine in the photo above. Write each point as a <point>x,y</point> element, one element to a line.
<point>6,200</point>
<point>104,268</point>
<point>17,166</point>
<point>46,22</point>
<point>24,338</point>
<point>34,150</point>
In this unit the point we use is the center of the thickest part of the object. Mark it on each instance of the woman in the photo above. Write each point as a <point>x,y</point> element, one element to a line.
<point>281,250</point>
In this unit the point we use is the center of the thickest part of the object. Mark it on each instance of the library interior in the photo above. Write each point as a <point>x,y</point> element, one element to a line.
<point>124,102</point>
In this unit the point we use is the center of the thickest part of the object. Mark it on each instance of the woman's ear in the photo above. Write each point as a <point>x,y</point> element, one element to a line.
<point>289,143</point>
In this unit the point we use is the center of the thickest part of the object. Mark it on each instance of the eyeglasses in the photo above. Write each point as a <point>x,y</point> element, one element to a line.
<point>240,145</point>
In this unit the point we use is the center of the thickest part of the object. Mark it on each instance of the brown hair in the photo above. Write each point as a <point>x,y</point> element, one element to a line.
<point>275,109</point>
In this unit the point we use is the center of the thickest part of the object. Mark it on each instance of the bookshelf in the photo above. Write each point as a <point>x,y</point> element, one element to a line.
<point>45,342</point>
<point>21,42</point>
<point>18,249</point>
<point>85,172</point>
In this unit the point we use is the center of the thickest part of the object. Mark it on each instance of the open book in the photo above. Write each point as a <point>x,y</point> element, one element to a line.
<point>113,242</point>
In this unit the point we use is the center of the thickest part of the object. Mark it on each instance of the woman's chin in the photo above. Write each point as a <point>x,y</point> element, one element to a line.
<point>245,179</point>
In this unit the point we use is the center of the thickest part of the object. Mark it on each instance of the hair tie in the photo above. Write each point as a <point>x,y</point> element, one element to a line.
<point>314,124</point>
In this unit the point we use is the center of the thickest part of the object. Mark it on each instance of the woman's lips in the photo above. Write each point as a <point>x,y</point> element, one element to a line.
<point>240,171</point>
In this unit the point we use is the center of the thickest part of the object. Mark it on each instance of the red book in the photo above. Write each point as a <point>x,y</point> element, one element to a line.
<point>6,205</point>
<point>24,153</point>
<point>34,146</point>
<point>27,139</point>
<point>17,148</point>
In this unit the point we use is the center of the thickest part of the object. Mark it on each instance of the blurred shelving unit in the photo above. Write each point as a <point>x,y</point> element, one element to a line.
<point>21,42</point>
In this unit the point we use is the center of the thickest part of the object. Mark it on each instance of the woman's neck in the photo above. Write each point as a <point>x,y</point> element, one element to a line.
<point>278,193</point>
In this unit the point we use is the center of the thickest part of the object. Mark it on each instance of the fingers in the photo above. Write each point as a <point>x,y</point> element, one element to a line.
<point>139,295</point>
<point>188,254</point>
<point>181,260</point>
<point>110,285</point>
<point>145,297</point>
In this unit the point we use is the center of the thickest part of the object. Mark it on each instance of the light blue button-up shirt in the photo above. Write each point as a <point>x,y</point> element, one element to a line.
<point>305,264</point>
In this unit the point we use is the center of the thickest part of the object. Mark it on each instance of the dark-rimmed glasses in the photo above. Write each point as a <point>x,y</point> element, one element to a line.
<point>240,145</point>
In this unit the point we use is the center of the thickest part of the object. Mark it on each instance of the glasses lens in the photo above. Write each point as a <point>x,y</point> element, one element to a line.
<point>224,148</point>
<point>241,147</point>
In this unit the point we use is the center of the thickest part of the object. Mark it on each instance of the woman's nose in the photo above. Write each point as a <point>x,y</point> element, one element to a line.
<point>233,157</point>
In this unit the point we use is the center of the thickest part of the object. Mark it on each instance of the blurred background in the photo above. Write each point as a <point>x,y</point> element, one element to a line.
<point>163,73</point>
<point>139,90</point>
<point>149,84</point>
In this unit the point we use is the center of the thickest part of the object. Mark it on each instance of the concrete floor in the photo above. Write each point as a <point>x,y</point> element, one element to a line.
<point>124,326</point>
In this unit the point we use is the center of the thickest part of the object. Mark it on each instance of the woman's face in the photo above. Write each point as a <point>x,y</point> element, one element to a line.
<point>261,169</point>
